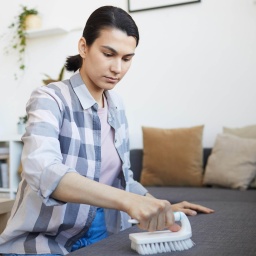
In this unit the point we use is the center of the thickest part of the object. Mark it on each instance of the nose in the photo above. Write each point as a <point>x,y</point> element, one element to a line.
<point>116,66</point>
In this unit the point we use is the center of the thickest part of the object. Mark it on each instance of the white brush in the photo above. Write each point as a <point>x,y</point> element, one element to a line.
<point>163,241</point>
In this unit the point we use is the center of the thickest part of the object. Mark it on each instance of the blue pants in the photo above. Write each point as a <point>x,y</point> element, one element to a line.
<point>96,232</point>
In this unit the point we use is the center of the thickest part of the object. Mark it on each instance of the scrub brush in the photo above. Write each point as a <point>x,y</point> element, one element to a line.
<point>163,241</point>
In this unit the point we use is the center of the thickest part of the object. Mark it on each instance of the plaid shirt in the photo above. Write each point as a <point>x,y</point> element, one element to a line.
<point>63,135</point>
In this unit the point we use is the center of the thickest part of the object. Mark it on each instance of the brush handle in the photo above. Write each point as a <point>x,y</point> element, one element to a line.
<point>177,217</point>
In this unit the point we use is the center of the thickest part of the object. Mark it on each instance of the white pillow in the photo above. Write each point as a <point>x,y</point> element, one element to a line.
<point>248,131</point>
<point>232,162</point>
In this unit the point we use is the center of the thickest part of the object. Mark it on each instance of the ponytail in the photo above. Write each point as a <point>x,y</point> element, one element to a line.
<point>73,63</point>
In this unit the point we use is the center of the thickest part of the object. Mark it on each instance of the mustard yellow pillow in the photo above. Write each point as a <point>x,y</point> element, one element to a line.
<point>172,157</point>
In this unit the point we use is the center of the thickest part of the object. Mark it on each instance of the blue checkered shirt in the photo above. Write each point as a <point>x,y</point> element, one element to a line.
<point>63,135</point>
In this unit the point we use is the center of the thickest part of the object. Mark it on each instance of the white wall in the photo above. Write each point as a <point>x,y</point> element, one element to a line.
<point>195,64</point>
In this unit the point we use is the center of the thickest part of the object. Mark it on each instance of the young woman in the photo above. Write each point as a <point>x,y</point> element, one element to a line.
<point>76,185</point>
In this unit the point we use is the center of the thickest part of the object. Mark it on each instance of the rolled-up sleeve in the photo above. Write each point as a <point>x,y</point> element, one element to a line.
<point>42,160</point>
<point>136,187</point>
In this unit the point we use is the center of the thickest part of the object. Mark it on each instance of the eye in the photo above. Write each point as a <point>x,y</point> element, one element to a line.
<point>107,54</point>
<point>126,59</point>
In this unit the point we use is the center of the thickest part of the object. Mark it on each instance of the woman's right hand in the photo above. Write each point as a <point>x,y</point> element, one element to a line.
<point>153,214</point>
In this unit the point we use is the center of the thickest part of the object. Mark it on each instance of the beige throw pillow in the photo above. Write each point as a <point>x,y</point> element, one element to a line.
<point>232,162</point>
<point>172,157</point>
<point>248,132</point>
<point>253,183</point>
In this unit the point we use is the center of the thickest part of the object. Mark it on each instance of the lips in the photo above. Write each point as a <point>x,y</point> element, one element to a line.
<point>111,79</point>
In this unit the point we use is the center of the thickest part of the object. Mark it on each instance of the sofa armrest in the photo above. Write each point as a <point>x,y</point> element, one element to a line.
<point>206,154</point>
<point>136,157</point>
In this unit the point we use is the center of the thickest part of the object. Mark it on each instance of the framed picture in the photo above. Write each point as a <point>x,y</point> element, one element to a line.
<point>144,5</point>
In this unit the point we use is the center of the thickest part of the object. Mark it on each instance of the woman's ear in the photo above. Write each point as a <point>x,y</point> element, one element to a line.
<point>82,47</point>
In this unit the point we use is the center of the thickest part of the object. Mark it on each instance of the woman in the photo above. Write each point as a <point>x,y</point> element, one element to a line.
<point>76,186</point>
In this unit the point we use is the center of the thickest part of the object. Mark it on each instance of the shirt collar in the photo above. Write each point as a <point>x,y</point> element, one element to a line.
<point>80,89</point>
<point>84,96</point>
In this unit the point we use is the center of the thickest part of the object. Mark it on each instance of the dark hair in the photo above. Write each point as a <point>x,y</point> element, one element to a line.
<point>104,17</point>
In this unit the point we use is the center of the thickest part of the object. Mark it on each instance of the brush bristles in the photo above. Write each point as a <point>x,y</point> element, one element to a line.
<point>153,248</point>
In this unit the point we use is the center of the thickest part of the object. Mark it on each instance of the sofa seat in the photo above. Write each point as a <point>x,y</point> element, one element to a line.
<point>208,194</point>
<point>230,230</point>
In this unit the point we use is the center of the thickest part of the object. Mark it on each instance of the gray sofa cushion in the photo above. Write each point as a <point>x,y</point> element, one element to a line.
<point>208,194</point>
<point>231,230</point>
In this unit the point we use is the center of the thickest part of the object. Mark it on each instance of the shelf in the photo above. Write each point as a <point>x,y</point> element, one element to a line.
<point>14,145</point>
<point>8,137</point>
<point>4,156</point>
<point>34,33</point>
<point>4,190</point>
<point>4,151</point>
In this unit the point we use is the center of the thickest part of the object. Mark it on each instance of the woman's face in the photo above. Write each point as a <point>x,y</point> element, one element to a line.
<point>107,60</point>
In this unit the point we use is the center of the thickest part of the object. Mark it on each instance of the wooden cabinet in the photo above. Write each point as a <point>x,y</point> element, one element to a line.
<point>5,209</point>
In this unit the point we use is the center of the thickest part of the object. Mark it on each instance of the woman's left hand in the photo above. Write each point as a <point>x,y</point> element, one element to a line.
<point>190,209</point>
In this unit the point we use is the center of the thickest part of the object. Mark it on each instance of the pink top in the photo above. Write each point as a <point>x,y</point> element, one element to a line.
<point>110,160</point>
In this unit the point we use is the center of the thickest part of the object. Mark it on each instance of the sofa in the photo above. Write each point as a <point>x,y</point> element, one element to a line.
<point>230,230</point>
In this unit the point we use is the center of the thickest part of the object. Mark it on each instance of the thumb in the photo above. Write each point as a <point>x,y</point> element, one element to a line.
<point>174,228</point>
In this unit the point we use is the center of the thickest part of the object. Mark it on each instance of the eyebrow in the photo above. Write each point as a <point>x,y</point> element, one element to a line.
<point>114,51</point>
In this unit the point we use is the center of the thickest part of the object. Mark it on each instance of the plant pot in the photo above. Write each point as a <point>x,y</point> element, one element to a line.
<point>33,21</point>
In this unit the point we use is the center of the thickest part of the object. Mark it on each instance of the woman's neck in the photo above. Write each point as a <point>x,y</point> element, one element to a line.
<point>97,93</point>
<point>101,101</point>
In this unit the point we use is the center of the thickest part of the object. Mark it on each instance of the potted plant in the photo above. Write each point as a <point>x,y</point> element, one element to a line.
<point>27,19</point>
<point>21,124</point>
<point>50,80</point>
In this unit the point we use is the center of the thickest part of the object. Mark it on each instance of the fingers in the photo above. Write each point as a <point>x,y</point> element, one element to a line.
<point>157,215</point>
<point>161,222</point>
<point>170,222</point>
<point>191,209</point>
<point>188,211</point>
<point>175,227</point>
<point>197,207</point>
